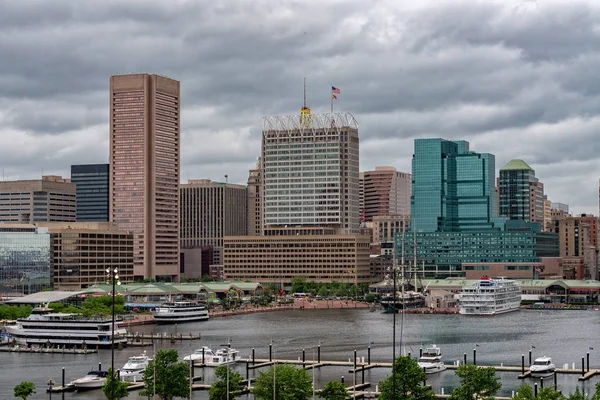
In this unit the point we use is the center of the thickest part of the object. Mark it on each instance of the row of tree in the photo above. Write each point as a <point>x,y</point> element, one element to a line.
<point>92,306</point>
<point>167,378</point>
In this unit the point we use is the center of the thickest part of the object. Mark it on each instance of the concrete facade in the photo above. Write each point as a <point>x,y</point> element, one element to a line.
<point>386,192</point>
<point>145,169</point>
<point>51,198</point>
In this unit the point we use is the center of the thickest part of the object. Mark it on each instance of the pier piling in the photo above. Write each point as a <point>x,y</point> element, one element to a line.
<point>582,366</point>
<point>369,355</point>
<point>542,382</point>
<point>363,375</point>
<point>535,389</point>
<point>588,362</point>
<point>342,379</point>
<point>530,357</point>
<point>319,354</point>
<point>474,356</point>
<point>270,352</point>
<point>253,362</point>
<point>303,358</point>
<point>100,366</point>
<point>63,382</point>
<point>555,382</point>
<point>420,352</point>
<point>522,363</point>
<point>465,359</point>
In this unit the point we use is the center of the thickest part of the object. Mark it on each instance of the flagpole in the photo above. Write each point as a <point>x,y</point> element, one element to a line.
<point>332,103</point>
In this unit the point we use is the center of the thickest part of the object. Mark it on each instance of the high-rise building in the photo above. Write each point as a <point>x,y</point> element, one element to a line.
<point>209,211</point>
<point>92,191</point>
<point>51,198</point>
<point>310,171</point>
<point>452,187</point>
<point>145,169</point>
<point>521,193</point>
<point>386,192</point>
<point>254,215</point>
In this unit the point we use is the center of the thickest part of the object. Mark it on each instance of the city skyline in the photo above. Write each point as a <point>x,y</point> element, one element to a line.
<point>509,77</point>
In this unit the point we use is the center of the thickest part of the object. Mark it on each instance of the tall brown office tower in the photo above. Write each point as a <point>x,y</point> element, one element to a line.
<point>145,170</point>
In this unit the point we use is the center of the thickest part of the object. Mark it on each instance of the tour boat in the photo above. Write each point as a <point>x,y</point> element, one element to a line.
<point>490,297</point>
<point>431,360</point>
<point>93,380</point>
<point>133,370</point>
<point>542,367</point>
<point>47,328</point>
<point>180,311</point>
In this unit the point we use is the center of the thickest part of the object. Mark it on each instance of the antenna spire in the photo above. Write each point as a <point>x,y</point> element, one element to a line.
<point>305,91</point>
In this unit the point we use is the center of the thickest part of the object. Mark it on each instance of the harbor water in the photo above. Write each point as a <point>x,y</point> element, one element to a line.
<point>566,336</point>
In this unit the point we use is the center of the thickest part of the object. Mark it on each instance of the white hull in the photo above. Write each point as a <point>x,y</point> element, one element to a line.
<point>490,297</point>
<point>433,368</point>
<point>173,319</point>
<point>542,374</point>
<point>493,312</point>
<point>131,376</point>
<point>87,385</point>
<point>180,311</point>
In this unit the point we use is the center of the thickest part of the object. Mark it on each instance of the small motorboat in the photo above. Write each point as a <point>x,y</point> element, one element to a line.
<point>542,367</point>
<point>93,380</point>
<point>203,354</point>
<point>133,370</point>
<point>431,360</point>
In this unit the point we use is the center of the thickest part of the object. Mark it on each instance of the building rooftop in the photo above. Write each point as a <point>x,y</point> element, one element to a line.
<point>516,165</point>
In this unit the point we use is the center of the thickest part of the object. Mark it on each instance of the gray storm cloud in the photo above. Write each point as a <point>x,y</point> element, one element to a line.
<point>515,78</point>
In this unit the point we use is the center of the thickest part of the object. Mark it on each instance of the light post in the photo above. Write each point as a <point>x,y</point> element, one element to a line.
<point>113,277</point>
<point>274,368</point>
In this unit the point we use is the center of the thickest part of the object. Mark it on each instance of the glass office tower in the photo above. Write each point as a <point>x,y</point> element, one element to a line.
<point>452,187</point>
<point>92,191</point>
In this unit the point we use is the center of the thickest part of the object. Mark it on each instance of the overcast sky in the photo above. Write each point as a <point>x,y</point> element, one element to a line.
<point>518,79</point>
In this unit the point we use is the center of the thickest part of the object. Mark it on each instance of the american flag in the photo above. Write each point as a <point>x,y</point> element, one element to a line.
<point>335,90</point>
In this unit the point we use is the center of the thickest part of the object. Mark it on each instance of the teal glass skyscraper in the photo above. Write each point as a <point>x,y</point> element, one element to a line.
<point>521,193</point>
<point>452,188</point>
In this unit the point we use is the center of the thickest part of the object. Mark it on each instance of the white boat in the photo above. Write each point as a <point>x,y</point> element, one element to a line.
<point>542,367</point>
<point>203,353</point>
<point>133,370</point>
<point>93,380</point>
<point>431,360</point>
<point>180,311</point>
<point>223,356</point>
<point>490,297</point>
<point>47,328</point>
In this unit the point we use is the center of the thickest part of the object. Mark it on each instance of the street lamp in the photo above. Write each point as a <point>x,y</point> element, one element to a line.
<point>113,277</point>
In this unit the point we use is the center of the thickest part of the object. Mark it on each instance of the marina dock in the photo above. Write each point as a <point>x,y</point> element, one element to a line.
<point>62,350</point>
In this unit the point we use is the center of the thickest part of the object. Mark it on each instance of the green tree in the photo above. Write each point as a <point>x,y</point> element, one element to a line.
<point>596,395</point>
<point>120,387</point>
<point>334,390</point>
<point>102,305</point>
<point>577,395</point>
<point>525,392</point>
<point>206,278</point>
<point>290,384</point>
<point>24,389</point>
<point>14,312</point>
<point>171,376</point>
<point>406,382</point>
<point>229,382</point>
<point>476,382</point>
<point>298,284</point>
<point>323,292</point>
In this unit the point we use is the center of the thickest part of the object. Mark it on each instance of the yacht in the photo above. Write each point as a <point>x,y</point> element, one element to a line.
<point>431,360</point>
<point>223,356</point>
<point>93,380</point>
<point>490,297</point>
<point>201,355</point>
<point>133,370</point>
<point>180,311</point>
<point>45,327</point>
<point>542,367</point>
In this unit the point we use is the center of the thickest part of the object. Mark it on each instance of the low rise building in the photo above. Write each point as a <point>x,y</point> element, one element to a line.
<point>316,254</point>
